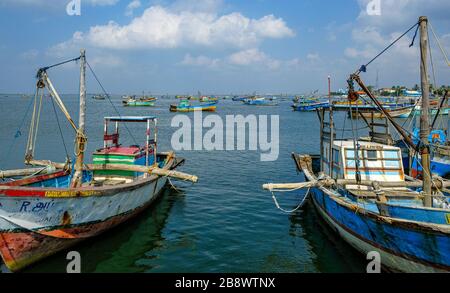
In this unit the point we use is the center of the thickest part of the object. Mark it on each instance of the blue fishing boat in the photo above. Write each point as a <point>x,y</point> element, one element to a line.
<point>258,101</point>
<point>309,106</point>
<point>186,106</point>
<point>360,189</point>
<point>440,154</point>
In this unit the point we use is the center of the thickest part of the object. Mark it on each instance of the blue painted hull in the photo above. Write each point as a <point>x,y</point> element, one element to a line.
<point>401,244</point>
<point>439,166</point>
<point>310,107</point>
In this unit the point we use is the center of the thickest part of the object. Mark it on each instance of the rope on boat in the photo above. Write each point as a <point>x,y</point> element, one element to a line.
<point>173,186</point>
<point>110,101</point>
<point>300,205</point>
<point>364,67</point>
<point>439,44</point>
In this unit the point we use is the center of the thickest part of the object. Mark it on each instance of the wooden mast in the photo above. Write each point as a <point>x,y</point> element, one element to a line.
<point>424,122</point>
<point>81,137</point>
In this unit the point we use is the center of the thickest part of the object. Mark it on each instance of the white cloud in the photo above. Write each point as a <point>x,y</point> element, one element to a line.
<point>30,54</point>
<point>131,7</point>
<point>201,61</point>
<point>252,57</point>
<point>159,27</point>
<point>314,57</point>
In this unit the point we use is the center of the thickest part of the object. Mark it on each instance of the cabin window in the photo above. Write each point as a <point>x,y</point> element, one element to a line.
<point>392,164</point>
<point>371,155</point>
<point>390,154</point>
<point>336,157</point>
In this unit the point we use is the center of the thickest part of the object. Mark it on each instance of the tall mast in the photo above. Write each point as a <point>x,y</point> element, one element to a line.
<point>424,122</point>
<point>81,137</point>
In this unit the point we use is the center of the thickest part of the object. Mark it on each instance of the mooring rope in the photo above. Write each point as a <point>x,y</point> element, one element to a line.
<point>300,205</point>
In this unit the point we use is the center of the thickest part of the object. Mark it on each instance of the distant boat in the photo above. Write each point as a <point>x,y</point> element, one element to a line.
<point>258,101</point>
<point>186,106</point>
<point>373,112</point>
<point>309,106</point>
<point>144,101</point>
<point>206,99</point>
<point>238,99</point>
<point>99,97</point>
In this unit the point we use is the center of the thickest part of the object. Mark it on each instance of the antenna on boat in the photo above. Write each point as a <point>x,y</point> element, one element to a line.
<point>80,145</point>
<point>424,122</point>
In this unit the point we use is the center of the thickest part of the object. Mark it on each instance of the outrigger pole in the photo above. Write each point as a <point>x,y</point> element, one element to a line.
<point>80,145</point>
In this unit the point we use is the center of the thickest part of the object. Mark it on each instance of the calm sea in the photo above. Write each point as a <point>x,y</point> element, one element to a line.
<point>225,223</point>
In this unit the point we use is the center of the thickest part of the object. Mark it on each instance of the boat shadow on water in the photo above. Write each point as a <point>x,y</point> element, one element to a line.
<point>119,249</point>
<point>330,253</point>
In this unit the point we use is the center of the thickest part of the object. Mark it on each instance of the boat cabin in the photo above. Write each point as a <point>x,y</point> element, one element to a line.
<point>115,153</point>
<point>376,162</point>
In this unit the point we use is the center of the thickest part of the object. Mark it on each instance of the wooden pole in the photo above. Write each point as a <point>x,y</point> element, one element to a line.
<point>81,137</point>
<point>424,122</point>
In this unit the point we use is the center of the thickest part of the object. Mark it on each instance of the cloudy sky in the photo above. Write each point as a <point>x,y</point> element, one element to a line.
<point>215,46</point>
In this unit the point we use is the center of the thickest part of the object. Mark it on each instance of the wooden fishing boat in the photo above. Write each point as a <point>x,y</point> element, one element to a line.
<point>360,189</point>
<point>98,97</point>
<point>308,106</point>
<point>259,101</point>
<point>206,99</point>
<point>132,102</point>
<point>50,208</point>
<point>372,112</point>
<point>186,106</point>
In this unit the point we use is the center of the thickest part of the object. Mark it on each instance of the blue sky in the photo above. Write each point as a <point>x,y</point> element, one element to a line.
<point>215,46</point>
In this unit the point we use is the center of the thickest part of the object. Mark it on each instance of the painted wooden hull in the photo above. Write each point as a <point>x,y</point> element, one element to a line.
<point>35,225</point>
<point>395,113</point>
<point>401,245</point>
<point>140,104</point>
<point>309,107</point>
<point>204,108</point>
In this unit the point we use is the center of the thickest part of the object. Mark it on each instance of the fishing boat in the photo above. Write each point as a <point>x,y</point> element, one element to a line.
<point>361,191</point>
<point>259,101</point>
<point>372,112</point>
<point>143,101</point>
<point>99,97</point>
<point>52,206</point>
<point>206,99</point>
<point>186,106</point>
<point>238,99</point>
<point>308,105</point>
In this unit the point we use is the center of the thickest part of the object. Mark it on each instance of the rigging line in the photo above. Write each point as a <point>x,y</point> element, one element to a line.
<point>439,44</point>
<point>60,130</point>
<point>432,64</point>
<point>18,132</point>
<point>110,101</point>
<point>43,69</point>
<point>363,68</point>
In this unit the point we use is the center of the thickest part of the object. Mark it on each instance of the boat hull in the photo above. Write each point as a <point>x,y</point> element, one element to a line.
<point>59,223</point>
<point>401,248</point>
<point>175,108</point>
<point>310,107</point>
<point>139,104</point>
<point>394,113</point>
